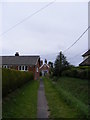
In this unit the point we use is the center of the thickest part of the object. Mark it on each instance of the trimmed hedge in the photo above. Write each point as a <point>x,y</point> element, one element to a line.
<point>78,72</point>
<point>12,79</point>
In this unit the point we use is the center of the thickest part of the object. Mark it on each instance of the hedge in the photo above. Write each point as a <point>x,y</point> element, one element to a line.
<point>78,72</point>
<point>12,79</point>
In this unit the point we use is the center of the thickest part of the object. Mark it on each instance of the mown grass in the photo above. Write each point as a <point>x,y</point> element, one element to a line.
<point>58,108</point>
<point>22,103</point>
<point>64,104</point>
<point>77,87</point>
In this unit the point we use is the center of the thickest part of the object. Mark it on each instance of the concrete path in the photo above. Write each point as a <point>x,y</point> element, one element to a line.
<point>42,107</point>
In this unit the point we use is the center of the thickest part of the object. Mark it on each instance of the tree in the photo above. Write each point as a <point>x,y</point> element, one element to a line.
<point>50,64</point>
<point>51,68</point>
<point>60,64</point>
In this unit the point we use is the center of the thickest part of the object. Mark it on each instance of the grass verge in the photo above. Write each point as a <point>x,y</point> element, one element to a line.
<point>58,108</point>
<point>74,92</point>
<point>77,87</point>
<point>62,103</point>
<point>22,103</point>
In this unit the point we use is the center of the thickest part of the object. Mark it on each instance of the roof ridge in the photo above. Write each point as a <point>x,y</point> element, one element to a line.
<point>23,56</point>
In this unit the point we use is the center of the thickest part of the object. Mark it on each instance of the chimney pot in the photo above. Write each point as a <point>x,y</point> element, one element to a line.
<point>17,54</point>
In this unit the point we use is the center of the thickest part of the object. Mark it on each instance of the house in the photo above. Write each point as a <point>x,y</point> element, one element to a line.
<point>22,63</point>
<point>44,69</point>
<point>86,59</point>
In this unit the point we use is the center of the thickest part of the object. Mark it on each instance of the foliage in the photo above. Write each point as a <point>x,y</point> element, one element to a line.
<point>73,92</point>
<point>22,103</point>
<point>77,87</point>
<point>58,108</point>
<point>50,64</point>
<point>60,64</point>
<point>12,79</point>
<point>77,72</point>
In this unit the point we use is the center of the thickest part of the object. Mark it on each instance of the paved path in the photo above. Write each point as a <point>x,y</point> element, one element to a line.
<point>42,107</point>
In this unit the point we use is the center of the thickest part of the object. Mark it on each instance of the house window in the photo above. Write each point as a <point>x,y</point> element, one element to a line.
<point>19,67</point>
<point>37,69</point>
<point>5,66</point>
<point>23,68</point>
<point>26,68</point>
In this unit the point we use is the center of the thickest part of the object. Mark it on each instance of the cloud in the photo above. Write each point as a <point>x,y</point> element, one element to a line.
<point>48,32</point>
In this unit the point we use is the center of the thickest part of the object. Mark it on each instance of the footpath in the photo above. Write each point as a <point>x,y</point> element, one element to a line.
<point>42,107</point>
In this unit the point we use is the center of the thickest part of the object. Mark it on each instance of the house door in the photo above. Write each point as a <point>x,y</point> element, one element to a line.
<point>42,73</point>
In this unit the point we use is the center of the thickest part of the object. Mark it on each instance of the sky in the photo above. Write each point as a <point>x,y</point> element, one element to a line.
<point>46,33</point>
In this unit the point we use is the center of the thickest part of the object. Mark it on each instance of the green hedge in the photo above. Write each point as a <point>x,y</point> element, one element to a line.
<point>12,79</point>
<point>78,72</point>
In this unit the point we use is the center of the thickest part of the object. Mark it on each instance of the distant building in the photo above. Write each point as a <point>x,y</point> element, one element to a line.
<point>44,69</point>
<point>86,59</point>
<point>22,63</point>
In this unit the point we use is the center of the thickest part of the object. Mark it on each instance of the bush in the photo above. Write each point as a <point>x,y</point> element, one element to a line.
<point>78,72</point>
<point>12,79</point>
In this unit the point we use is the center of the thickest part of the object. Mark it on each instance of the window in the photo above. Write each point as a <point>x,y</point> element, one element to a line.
<point>19,67</point>
<point>37,69</point>
<point>23,68</point>
<point>5,66</point>
<point>26,68</point>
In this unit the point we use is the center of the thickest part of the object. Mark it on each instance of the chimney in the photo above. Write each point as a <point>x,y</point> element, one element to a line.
<point>45,61</point>
<point>41,62</point>
<point>17,54</point>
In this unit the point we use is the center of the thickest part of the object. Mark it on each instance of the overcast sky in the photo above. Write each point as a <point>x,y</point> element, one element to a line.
<point>46,33</point>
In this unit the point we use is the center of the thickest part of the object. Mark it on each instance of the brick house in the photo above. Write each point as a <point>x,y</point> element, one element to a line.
<point>44,68</point>
<point>22,63</point>
<point>86,59</point>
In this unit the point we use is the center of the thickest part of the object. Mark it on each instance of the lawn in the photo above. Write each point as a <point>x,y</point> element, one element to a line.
<point>22,103</point>
<point>77,87</point>
<point>62,101</point>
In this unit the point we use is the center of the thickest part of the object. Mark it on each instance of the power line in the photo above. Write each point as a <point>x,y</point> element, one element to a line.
<point>77,55</point>
<point>26,18</point>
<point>76,40</point>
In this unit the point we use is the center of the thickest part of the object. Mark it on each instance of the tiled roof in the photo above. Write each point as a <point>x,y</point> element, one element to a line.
<point>86,62</point>
<point>44,65</point>
<point>87,53</point>
<point>19,60</point>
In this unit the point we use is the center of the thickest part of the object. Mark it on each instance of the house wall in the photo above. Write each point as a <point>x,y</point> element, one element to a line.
<point>84,58</point>
<point>11,67</point>
<point>37,71</point>
<point>30,68</point>
<point>44,68</point>
<point>34,70</point>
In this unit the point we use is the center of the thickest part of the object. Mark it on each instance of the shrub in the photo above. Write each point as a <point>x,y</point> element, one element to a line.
<point>78,72</point>
<point>12,79</point>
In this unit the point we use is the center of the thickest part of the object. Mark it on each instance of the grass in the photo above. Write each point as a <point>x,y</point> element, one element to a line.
<point>65,99</point>
<point>77,87</point>
<point>22,103</point>
<point>58,108</point>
